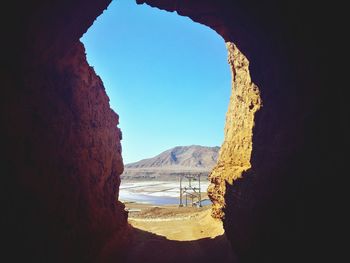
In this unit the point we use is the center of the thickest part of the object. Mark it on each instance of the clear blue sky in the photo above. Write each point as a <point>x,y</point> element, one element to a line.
<point>166,76</point>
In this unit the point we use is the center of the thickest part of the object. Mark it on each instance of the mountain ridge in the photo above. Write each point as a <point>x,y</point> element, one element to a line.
<point>174,161</point>
<point>171,156</point>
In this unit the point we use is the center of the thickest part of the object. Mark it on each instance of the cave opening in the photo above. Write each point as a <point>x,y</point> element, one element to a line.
<point>62,147</point>
<point>169,80</point>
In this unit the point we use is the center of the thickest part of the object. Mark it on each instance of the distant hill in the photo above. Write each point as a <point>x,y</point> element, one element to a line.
<point>170,163</point>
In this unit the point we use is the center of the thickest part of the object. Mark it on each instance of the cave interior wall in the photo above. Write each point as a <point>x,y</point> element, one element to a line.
<point>61,145</point>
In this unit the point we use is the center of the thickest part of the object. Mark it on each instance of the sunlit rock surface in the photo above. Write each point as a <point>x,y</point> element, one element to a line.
<point>235,153</point>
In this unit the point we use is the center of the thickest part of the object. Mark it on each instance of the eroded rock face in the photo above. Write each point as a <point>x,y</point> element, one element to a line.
<point>65,161</point>
<point>235,153</point>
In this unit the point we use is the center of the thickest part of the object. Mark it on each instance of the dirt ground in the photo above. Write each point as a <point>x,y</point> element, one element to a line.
<point>175,223</point>
<point>171,234</point>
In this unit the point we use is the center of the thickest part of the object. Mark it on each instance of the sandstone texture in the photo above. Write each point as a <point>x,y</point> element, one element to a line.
<point>236,150</point>
<point>62,142</point>
<point>68,151</point>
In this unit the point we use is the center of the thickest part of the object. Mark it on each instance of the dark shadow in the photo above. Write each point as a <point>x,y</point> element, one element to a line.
<point>148,247</point>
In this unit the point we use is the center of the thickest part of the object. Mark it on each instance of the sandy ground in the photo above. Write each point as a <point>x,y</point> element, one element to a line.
<point>163,233</point>
<point>169,234</point>
<point>175,223</point>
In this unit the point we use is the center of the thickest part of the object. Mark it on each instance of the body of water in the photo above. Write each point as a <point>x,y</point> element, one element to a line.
<point>155,193</point>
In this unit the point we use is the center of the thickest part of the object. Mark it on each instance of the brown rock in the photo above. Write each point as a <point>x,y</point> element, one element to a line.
<point>235,153</point>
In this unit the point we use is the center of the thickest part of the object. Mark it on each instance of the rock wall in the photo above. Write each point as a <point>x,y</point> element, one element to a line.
<point>235,152</point>
<point>62,143</point>
<point>69,155</point>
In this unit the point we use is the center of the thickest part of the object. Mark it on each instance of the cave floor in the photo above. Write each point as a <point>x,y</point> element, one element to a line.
<point>172,234</point>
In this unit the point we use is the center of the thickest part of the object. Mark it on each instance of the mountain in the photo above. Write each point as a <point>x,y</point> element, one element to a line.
<point>173,162</point>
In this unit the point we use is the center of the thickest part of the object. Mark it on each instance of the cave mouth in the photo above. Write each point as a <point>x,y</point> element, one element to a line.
<point>167,77</point>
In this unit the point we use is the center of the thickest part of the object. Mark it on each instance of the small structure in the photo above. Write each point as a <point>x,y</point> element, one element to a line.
<point>191,190</point>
